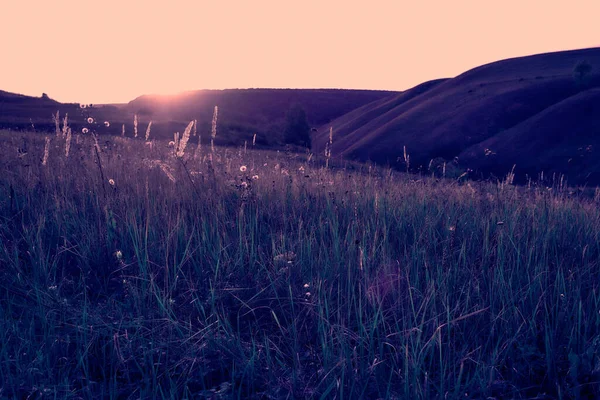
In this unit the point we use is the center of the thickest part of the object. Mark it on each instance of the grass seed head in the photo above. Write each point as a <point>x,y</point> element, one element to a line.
<point>213,134</point>
<point>65,125</point>
<point>184,139</point>
<point>56,119</point>
<point>68,142</point>
<point>148,131</point>
<point>46,151</point>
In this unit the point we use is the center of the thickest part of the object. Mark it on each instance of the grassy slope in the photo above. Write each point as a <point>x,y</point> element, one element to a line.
<point>200,281</point>
<point>353,126</point>
<point>464,111</point>
<point>573,149</point>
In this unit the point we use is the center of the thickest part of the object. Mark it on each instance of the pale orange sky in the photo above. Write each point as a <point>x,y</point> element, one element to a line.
<point>112,51</point>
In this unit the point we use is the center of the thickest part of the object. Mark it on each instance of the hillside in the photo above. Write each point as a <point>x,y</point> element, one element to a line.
<point>532,98</point>
<point>242,112</point>
<point>562,138</point>
<point>23,113</point>
<point>20,112</point>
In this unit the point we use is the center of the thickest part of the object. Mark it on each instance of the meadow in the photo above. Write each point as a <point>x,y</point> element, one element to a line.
<point>130,271</point>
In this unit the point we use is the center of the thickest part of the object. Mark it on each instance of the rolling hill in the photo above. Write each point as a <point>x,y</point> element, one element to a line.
<point>20,112</point>
<point>529,111</point>
<point>242,112</point>
<point>24,113</point>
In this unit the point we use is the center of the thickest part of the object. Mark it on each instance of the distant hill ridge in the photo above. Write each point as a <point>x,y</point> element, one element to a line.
<point>504,107</point>
<point>242,112</point>
<point>255,105</point>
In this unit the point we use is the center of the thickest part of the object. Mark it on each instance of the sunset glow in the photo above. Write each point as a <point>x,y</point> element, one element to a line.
<point>114,51</point>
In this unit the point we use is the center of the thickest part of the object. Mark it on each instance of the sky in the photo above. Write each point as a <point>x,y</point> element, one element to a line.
<point>113,51</point>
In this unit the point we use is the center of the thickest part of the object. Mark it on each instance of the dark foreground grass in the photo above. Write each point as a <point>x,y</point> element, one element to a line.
<point>205,281</point>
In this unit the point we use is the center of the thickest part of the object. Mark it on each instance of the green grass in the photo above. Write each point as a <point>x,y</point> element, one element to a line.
<point>351,282</point>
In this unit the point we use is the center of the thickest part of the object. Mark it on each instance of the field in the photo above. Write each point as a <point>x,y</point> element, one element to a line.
<point>130,272</point>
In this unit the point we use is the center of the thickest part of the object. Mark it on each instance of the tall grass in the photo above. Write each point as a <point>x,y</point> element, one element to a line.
<point>284,279</point>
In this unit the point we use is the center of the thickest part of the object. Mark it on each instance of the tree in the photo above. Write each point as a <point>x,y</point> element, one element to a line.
<point>297,130</point>
<point>582,72</point>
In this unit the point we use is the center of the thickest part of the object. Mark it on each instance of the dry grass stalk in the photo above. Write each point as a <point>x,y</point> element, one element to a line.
<point>68,142</point>
<point>361,257</point>
<point>176,142</point>
<point>65,127</point>
<point>184,139</point>
<point>99,161</point>
<point>46,151</point>
<point>195,127</point>
<point>148,131</point>
<point>198,151</point>
<point>328,147</point>
<point>510,177</point>
<point>135,125</point>
<point>214,129</point>
<point>96,143</point>
<point>56,119</point>
<point>167,170</point>
<point>123,130</point>
<point>199,147</point>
